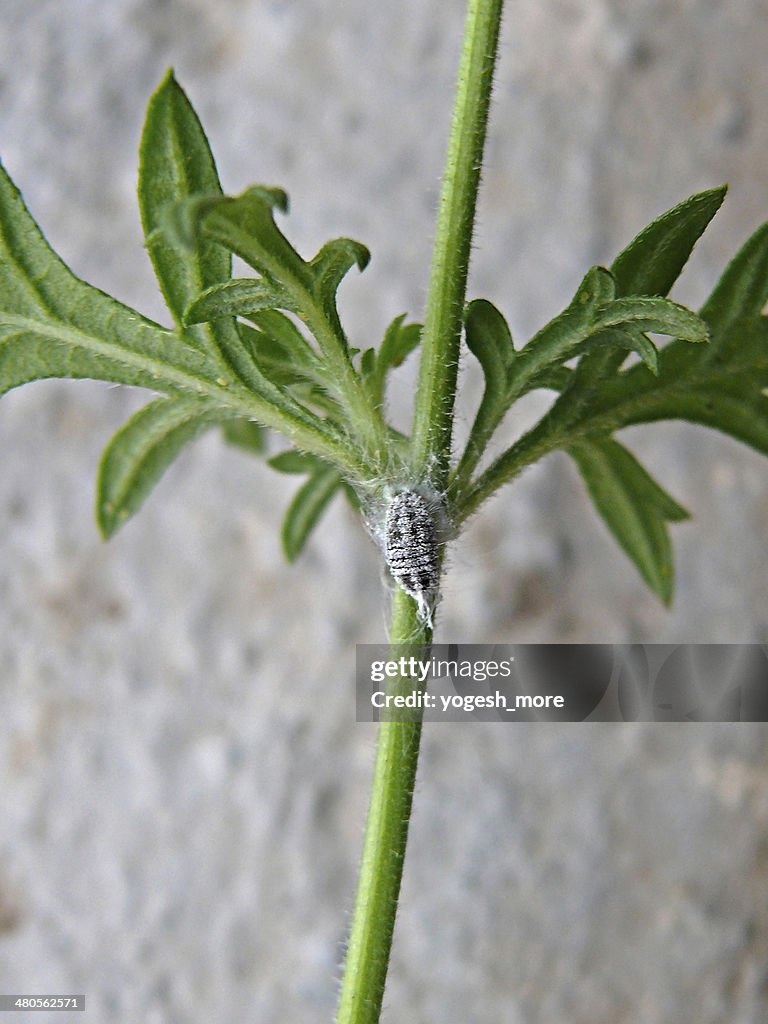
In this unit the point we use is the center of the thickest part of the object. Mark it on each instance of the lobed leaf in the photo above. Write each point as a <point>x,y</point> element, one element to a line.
<point>244,433</point>
<point>558,340</point>
<point>141,451</point>
<point>626,338</point>
<point>650,265</point>
<point>175,162</point>
<point>294,461</point>
<point>306,509</point>
<point>52,324</point>
<point>635,508</point>
<point>652,314</point>
<point>331,265</point>
<point>489,339</point>
<point>742,291</point>
<point>400,339</point>
<point>652,261</point>
<point>241,297</point>
<point>244,225</point>
<point>742,413</point>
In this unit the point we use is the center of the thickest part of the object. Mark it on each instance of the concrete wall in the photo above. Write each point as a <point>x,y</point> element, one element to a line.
<point>183,782</point>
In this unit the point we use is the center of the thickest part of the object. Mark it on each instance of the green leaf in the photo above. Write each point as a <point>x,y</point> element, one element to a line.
<point>719,385</point>
<point>245,225</point>
<point>553,378</point>
<point>244,433</point>
<point>634,507</point>
<point>626,338</point>
<point>368,364</point>
<point>292,365</point>
<point>652,261</point>
<point>52,324</point>
<point>141,451</point>
<point>593,311</point>
<point>400,339</point>
<point>740,413</point>
<point>651,314</point>
<point>489,339</point>
<point>175,162</point>
<point>241,297</point>
<point>742,291</point>
<point>293,461</point>
<point>332,264</point>
<point>650,265</point>
<point>560,338</point>
<point>306,509</point>
<point>286,339</point>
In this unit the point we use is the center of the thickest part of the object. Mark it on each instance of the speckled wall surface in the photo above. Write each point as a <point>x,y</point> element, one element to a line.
<point>183,783</point>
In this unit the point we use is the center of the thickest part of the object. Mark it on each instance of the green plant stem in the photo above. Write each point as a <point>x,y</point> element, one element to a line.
<point>433,417</point>
<point>386,833</point>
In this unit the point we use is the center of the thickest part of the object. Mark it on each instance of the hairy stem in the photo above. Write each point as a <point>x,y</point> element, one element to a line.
<point>433,418</point>
<point>386,833</point>
<point>381,868</point>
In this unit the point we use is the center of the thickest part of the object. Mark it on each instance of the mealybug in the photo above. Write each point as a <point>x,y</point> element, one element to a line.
<point>412,549</point>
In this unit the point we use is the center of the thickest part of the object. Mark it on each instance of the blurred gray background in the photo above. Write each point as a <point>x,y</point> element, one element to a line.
<point>183,783</point>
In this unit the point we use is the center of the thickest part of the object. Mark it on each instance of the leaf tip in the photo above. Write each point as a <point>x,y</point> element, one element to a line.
<point>272,195</point>
<point>362,256</point>
<point>106,520</point>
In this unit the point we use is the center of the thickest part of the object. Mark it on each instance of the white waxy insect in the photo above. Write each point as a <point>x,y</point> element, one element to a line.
<point>412,549</point>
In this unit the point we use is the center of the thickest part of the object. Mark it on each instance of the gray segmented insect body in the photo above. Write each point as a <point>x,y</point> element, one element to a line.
<point>412,548</point>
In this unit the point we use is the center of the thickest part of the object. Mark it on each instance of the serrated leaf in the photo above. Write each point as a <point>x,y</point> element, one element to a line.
<point>175,162</point>
<point>306,509</point>
<point>141,451</point>
<point>52,324</point>
<point>652,261</point>
<point>245,434</point>
<point>742,291</point>
<point>634,507</point>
